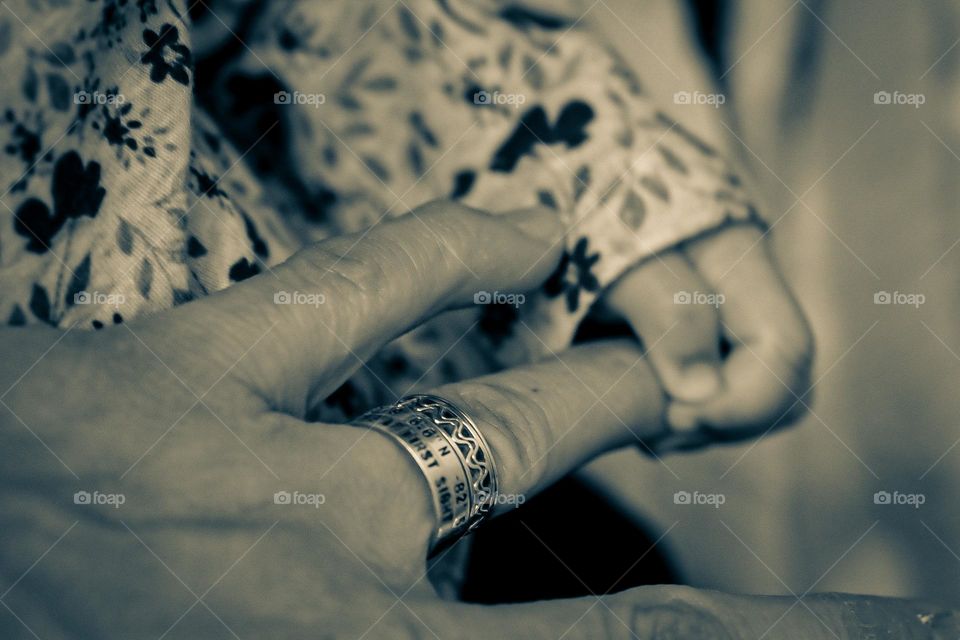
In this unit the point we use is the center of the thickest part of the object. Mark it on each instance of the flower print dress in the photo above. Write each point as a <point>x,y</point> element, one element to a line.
<point>153,154</point>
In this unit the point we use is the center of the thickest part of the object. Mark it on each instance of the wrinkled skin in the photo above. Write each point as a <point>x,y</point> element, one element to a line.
<point>194,417</point>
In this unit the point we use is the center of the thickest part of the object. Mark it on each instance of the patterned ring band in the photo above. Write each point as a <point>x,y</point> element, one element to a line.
<point>452,454</point>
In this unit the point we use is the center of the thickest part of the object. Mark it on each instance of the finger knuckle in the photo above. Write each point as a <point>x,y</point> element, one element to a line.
<point>679,593</point>
<point>453,219</point>
<point>677,621</point>
<point>333,264</point>
<point>699,318</point>
<point>793,349</point>
<point>688,342</point>
<point>668,611</point>
<point>459,229</point>
<point>618,355</point>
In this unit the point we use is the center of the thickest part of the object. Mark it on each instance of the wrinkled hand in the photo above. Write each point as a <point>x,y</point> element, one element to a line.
<point>181,428</point>
<point>174,433</point>
<point>688,302</point>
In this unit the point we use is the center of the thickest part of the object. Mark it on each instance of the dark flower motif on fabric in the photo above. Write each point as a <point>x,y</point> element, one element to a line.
<point>76,193</point>
<point>256,240</point>
<point>40,303</point>
<point>127,131</point>
<point>573,274</point>
<point>17,317</point>
<point>195,248</point>
<point>462,183</point>
<point>78,281</point>
<point>525,19</point>
<point>205,184</point>
<point>167,56</point>
<point>24,141</point>
<point>116,131</point>
<point>147,8</point>
<point>243,269</point>
<point>534,128</point>
<point>497,320</point>
<point>115,15</point>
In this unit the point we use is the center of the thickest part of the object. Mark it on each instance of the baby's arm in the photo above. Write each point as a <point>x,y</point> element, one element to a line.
<point>662,229</point>
<point>504,107</point>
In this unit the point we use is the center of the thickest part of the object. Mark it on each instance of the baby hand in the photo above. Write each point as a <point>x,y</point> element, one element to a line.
<point>724,334</point>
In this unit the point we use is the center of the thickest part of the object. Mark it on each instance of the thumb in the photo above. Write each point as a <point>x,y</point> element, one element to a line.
<point>316,318</point>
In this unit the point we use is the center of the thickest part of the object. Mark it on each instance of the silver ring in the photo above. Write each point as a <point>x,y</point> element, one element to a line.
<point>453,455</point>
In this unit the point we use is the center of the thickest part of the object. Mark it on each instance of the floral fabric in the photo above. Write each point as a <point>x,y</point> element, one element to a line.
<point>151,156</point>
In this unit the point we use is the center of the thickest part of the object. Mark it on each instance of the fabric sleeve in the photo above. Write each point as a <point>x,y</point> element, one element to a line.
<point>628,180</point>
<point>501,107</point>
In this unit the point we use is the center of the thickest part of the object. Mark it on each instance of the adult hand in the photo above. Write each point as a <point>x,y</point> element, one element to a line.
<point>181,427</point>
<point>140,463</point>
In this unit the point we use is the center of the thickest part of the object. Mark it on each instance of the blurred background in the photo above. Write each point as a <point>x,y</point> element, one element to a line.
<point>847,115</point>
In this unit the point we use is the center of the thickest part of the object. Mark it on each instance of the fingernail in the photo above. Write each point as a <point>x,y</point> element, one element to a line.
<point>699,382</point>
<point>538,222</point>
<point>682,418</point>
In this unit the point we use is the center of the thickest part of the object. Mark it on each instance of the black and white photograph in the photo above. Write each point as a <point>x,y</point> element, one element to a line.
<point>479,319</point>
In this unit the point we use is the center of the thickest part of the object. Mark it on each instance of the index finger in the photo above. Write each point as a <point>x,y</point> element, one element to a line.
<point>305,326</point>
